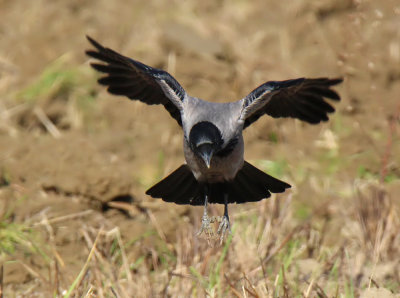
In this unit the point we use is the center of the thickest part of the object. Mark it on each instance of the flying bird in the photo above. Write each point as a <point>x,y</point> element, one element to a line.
<point>215,169</point>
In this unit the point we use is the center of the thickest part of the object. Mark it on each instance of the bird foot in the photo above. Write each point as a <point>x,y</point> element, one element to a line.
<point>224,226</point>
<point>205,226</point>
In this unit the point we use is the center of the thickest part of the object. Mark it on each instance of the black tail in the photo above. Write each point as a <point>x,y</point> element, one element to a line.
<point>249,185</point>
<point>180,187</point>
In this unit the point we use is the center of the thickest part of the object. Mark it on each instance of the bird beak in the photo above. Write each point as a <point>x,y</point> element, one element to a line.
<point>207,160</point>
<point>206,152</point>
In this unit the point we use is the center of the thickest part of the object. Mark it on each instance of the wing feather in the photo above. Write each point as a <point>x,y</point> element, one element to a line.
<point>137,81</point>
<point>304,99</point>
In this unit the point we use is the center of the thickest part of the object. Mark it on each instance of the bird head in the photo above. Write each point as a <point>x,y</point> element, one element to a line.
<point>205,139</point>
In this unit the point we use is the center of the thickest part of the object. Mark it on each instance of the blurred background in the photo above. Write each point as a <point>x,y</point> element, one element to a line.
<point>75,162</point>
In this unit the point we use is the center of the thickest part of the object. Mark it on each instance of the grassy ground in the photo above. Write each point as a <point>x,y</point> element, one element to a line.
<point>75,162</point>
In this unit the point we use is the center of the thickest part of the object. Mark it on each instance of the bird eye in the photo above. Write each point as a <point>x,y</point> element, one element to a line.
<point>228,148</point>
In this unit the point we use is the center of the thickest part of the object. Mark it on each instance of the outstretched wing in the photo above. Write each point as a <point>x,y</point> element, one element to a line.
<point>137,81</point>
<point>303,99</point>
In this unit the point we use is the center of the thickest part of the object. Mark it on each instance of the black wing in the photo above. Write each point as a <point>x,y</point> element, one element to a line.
<point>136,80</point>
<point>300,98</point>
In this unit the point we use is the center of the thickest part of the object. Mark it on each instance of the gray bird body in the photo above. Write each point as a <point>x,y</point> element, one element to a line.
<point>215,169</point>
<point>225,116</point>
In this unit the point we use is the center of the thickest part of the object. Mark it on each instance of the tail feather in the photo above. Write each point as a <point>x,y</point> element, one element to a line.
<point>262,179</point>
<point>180,187</point>
<point>168,184</point>
<point>249,185</point>
<point>185,190</point>
<point>253,192</point>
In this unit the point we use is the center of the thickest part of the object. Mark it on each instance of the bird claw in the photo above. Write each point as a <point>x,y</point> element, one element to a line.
<point>224,226</point>
<point>205,226</point>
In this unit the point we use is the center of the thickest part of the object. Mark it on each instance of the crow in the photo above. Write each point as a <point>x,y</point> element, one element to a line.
<point>215,169</point>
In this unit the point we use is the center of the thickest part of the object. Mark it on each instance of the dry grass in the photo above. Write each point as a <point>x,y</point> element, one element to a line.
<point>269,255</point>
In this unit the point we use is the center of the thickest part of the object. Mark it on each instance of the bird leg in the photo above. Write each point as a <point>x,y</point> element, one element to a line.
<point>225,225</point>
<point>206,220</point>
